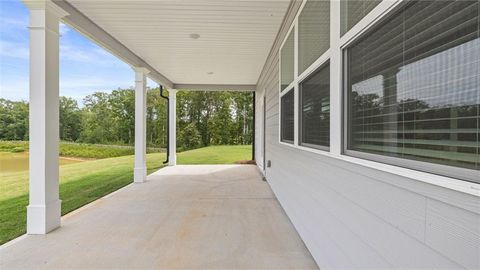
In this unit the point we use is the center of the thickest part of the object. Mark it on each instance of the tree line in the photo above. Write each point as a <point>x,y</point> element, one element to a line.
<point>203,118</point>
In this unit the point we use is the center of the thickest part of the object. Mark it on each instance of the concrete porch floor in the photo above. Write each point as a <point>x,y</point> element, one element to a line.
<point>202,217</point>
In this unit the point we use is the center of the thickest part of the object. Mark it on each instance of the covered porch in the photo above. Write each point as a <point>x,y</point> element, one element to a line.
<point>187,216</point>
<point>179,45</point>
<point>181,216</point>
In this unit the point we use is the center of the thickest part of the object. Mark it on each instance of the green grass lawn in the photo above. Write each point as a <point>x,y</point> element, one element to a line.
<point>84,182</point>
<point>80,150</point>
<point>223,154</point>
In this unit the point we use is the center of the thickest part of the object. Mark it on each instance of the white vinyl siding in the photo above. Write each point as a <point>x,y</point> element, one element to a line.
<point>349,211</point>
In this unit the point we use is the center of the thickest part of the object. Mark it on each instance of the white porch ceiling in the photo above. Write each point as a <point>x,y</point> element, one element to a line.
<point>235,35</point>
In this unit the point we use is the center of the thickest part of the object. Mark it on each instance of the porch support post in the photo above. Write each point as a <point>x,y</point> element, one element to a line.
<point>140,169</point>
<point>43,211</point>
<point>172,129</point>
<point>335,79</point>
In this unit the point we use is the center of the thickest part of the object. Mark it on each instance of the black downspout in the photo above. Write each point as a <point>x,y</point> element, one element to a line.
<point>253,128</point>
<point>168,123</point>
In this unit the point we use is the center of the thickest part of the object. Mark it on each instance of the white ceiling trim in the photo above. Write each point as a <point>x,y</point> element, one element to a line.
<point>216,87</point>
<point>84,25</point>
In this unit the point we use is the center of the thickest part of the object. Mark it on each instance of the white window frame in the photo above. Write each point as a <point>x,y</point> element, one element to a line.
<point>291,86</point>
<point>338,44</point>
<point>460,173</point>
<point>297,79</point>
<point>324,148</point>
<point>287,90</point>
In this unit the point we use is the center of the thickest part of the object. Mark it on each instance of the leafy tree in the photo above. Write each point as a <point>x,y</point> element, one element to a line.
<point>203,118</point>
<point>70,119</point>
<point>243,126</point>
<point>13,120</point>
<point>189,137</point>
<point>220,124</point>
<point>122,104</point>
<point>97,124</point>
<point>156,119</point>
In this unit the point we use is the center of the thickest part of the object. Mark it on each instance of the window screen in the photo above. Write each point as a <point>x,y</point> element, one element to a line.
<point>413,85</point>
<point>287,61</point>
<point>313,32</point>
<point>315,109</point>
<point>352,11</point>
<point>287,120</point>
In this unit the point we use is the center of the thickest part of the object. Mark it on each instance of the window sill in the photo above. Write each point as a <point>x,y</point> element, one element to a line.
<point>429,178</point>
<point>287,143</point>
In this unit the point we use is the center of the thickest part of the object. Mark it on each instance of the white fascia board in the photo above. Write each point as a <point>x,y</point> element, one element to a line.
<point>216,87</point>
<point>87,27</point>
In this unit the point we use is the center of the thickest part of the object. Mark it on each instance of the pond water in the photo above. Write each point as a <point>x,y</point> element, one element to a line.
<point>16,162</point>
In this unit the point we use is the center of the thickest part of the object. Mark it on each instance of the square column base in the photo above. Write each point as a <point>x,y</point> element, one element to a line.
<point>172,160</point>
<point>140,175</point>
<point>42,219</point>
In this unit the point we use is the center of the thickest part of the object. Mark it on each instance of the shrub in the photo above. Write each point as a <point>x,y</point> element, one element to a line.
<point>81,150</point>
<point>8,146</point>
<point>17,150</point>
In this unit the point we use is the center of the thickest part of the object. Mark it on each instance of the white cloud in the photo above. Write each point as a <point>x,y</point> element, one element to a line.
<point>90,55</point>
<point>64,29</point>
<point>79,87</point>
<point>92,83</point>
<point>14,49</point>
<point>76,54</point>
<point>15,88</point>
<point>9,23</point>
<point>68,52</point>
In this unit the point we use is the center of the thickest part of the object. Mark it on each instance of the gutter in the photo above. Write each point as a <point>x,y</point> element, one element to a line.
<point>168,123</point>
<point>254,101</point>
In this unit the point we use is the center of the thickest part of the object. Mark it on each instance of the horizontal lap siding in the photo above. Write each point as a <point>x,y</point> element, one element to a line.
<point>351,216</point>
<point>454,231</point>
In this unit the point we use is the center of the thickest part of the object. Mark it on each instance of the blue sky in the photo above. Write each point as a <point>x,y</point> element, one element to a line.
<point>84,67</point>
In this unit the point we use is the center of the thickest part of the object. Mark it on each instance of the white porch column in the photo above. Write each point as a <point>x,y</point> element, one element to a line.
<point>43,211</point>
<point>335,79</point>
<point>140,169</point>
<point>172,129</point>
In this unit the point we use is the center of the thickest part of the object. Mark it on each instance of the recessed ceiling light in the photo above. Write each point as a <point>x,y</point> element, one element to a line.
<point>210,73</point>
<point>194,36</point>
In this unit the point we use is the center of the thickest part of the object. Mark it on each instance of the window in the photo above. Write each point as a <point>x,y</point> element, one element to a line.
<point>315,109</point>
<point>287,61</point>
<point>313,32</point>
<point>287,127</point>
<point>352,11</point>
<point>304,48</point>
<point>413,87</point>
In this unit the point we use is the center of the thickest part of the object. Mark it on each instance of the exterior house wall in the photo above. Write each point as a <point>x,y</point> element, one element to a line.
<point>354,215</point>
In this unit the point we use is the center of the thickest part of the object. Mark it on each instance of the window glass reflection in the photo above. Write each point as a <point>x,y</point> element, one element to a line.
<point>313,32</point>
<point>287,127</point>
<point>287,61</point>
<point>315,109</point>
<point>414,85</point>
<point>352,11</point>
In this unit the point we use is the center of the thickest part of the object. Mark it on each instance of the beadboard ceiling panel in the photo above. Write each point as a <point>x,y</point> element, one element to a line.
<point>235,36</point>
